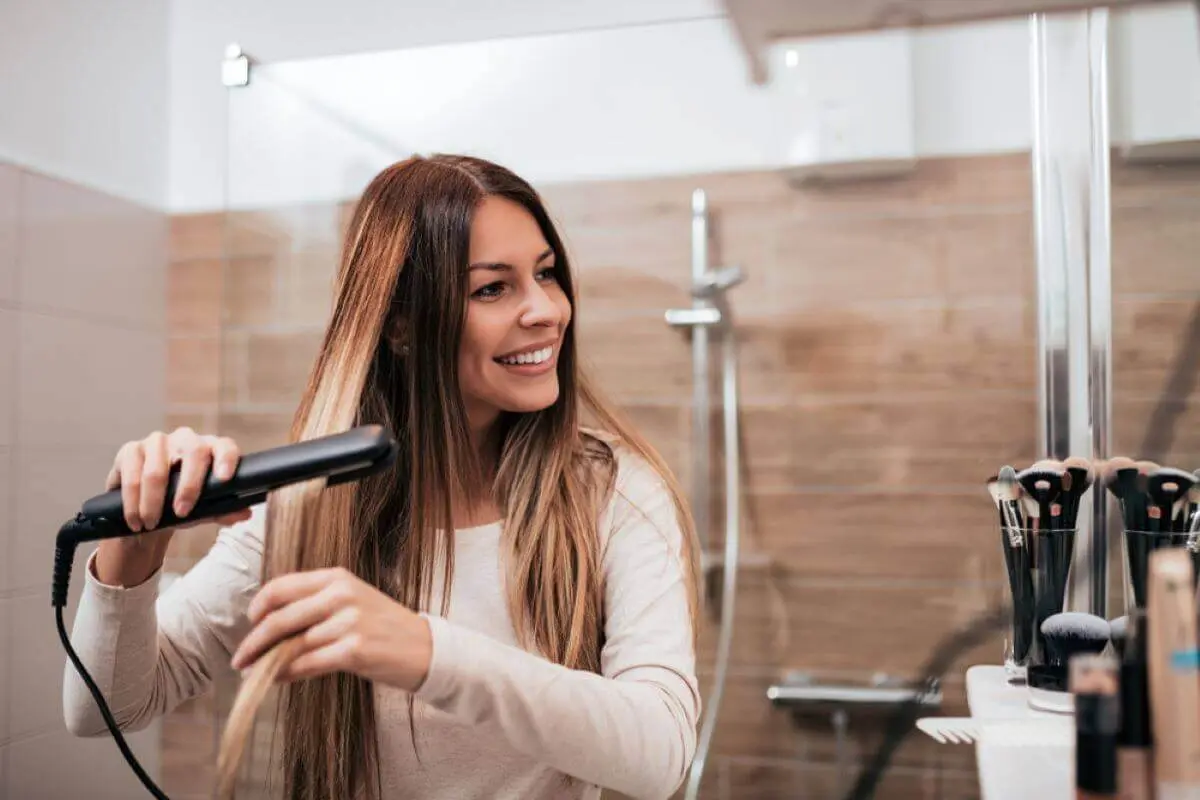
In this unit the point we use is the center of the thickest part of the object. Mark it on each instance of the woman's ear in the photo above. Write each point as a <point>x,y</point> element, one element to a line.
<point>396,335</point>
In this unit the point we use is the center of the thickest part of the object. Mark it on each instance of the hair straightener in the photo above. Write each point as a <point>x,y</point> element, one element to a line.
<point>339,458</point>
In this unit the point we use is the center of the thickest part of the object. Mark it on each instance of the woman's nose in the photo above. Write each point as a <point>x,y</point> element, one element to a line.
<point>540,309</point>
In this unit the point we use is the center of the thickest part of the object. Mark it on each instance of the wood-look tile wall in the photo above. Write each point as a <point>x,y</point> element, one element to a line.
<point>887,342</point>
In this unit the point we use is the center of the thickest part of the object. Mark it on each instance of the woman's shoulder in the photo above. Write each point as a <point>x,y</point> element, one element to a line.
<point>636,489</point>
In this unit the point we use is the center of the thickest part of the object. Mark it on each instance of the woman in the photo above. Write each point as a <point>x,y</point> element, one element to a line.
<point>560,660</point>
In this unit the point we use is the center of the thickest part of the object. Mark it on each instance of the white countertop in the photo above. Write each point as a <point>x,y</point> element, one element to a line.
<point>1022,752</point>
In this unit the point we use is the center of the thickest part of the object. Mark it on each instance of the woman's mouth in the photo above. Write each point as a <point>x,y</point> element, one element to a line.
<point>531,362</point>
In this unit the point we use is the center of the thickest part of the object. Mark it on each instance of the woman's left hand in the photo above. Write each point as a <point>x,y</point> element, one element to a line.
<point>345,624</point>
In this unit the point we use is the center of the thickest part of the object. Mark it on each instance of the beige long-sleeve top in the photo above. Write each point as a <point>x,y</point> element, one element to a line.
<point>493,721</point>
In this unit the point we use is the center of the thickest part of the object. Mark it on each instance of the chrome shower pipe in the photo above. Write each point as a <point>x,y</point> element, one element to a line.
<point>710,310</point>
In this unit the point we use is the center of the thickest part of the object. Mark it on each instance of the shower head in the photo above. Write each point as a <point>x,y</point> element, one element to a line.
<point>717,281</point>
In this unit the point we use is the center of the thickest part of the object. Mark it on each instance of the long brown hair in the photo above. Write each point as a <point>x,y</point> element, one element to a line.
<point>389,357</point>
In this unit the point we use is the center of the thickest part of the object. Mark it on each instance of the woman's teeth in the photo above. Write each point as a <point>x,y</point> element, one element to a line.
<point>535,357</point>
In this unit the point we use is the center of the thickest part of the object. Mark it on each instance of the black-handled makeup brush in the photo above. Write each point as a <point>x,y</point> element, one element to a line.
<point>1051,546</point>
<point>1078,479</point>
<point>1066,634</point>
<point>1006,491</point>
<point>1168,490</point>
<point>1117,628</point>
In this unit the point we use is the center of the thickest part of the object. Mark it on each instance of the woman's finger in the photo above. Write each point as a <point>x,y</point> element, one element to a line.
<point>225,456</point>
<point>155,469</point>
<point>195,456</point>
<point>336,656</point>
<point>280,624</point>
<point>131,484</point>
<point>293,586</point>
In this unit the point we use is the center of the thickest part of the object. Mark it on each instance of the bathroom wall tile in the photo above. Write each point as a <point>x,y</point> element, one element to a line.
<point>193,370</point>
<point>1153,184</point>
<point>1154,249</point>
<point>189,754</point>
<point>1154,345</point>
<point>889,349</point>
<point>251,294</point>
<point>8,372</point>
<point>5,659</point>
<point>904,535</point>
<point>48,488</point>
<point>930,442</point>
<point>57,764</point>
<point>1163,429</point>
<point>7,523</point>
<point>767,779</point>
<point>307,285</point>
<point>10,215</point>
<point>863,626</point>
<point>278,365</point>
<point>88,253</point>
<point>194,297</point>
<point>637,359</point>
<point>256,430</point>
<point>196,237</point>
<point>84,383</point>
<point>752,726</point>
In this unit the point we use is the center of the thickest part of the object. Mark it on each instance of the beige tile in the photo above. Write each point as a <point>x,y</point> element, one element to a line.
<point>255,431</point>
<point>202,420</point>
<point>194,297</point>
<point>6,656</point>
<point>1153,184</point>
<point>904,536</point>
<point>193,370</point>
<point>1154,249</point>
<point>59,765</point>
<point>1154,342</point>
<point>848,625</point>
<point>892,348</point>
<point>637,359</point>
<point>939,441</point>
<point>251,290</point>
<point>84,383</point>
<point>278,365</point>
<point>751,726</point>
<point>7,522</point>
<point>87,252</point>
<point>49,487</point>
<point>1160,429</point>
<point>769,779</point>
<point>307,285</point>
<point>196,236</point>
<point>10,198</point>
<point>8,373</point>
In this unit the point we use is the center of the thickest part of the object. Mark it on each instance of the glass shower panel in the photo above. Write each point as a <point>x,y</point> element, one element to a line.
<point>876,194</point>
<point>294,170</point>
<point>1155,166</point>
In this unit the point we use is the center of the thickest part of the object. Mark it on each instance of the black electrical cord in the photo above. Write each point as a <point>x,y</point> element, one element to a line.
<point>78,530</point>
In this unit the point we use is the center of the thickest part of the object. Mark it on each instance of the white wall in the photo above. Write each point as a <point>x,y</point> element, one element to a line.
<point>277,30</point>
<point>83,93</point>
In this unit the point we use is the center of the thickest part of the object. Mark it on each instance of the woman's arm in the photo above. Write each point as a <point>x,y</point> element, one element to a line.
<point>146,653</point>
<point>631,729</point>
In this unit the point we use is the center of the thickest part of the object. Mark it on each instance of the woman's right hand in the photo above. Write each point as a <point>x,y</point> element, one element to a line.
<point>140,470</point>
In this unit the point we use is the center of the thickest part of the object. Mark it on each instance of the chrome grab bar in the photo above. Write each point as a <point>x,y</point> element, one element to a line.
<point>886,693</point>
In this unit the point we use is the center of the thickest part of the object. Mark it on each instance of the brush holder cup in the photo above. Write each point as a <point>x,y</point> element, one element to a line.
<point>1037,562</point>
<point>1135,554</point>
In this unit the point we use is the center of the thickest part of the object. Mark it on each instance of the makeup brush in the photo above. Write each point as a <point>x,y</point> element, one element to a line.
<point>1124,481</point>
<point>1067,634</point>
<point>1117,634</point>
<point>1168,490</point>
<point>1078,479</point>
<point>1006,493</point>
<point>1051,546</point>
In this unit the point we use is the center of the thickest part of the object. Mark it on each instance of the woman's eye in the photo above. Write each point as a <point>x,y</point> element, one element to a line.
<point>548,274</point>
<point>489,292</point>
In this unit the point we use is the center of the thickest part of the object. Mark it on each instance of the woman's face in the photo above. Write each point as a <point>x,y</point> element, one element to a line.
<point>517,314</point>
